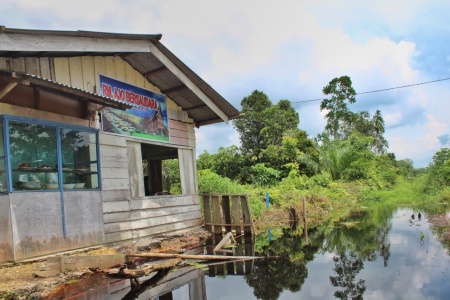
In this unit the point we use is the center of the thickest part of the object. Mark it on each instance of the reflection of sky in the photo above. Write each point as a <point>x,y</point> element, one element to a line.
<point>415,270</point>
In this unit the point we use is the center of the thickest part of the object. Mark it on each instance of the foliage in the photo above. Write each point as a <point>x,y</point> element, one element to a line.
<point>264,176</point>
<point>249,126</point>
<point>171,176</point>
<point>263,124</point>
<point>210,182</point>
<point>439,171</point>
<point>339,118</point>
<point>341,122</point>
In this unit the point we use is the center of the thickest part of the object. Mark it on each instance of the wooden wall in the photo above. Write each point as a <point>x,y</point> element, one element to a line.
<point>127,214</point>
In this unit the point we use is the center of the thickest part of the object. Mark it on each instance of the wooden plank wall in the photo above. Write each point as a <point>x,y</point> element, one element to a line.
<point>127,214</point>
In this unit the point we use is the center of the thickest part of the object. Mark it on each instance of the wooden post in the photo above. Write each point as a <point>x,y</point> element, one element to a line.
<point>304,221</point>
<point>226,211</point>
<point>207,211</point>
<point>247,216</point>
<point>217,217</point>
<point>236,212</point>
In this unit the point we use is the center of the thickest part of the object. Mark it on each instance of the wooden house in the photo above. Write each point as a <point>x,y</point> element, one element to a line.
<point>88,120</point>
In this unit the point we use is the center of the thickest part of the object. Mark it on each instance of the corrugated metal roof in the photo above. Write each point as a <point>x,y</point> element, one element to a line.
<point>63,89</point>
<point>202,103</point>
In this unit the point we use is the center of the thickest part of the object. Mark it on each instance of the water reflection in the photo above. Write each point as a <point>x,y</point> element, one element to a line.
<point>379,254</point>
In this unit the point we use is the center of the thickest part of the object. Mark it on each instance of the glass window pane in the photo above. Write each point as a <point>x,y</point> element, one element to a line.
<point>79,159</point>
<point>2,176</point>
<point>2,146</point>
<point>33,155</point>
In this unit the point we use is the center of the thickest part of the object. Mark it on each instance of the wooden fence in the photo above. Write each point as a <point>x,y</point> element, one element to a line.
<point>227,213</point>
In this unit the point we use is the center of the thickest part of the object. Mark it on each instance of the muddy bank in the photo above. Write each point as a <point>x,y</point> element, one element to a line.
<point>20,280</point>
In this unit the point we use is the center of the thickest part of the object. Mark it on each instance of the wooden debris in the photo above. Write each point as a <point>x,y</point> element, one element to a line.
<point>148,268</point>
<point>189,256</point>
<point>227,239</point>
<point>61,264</point>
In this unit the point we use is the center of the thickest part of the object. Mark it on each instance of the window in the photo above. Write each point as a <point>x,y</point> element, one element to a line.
<point>49,156</point>
<point>79,159</point>
<point>161,170</point>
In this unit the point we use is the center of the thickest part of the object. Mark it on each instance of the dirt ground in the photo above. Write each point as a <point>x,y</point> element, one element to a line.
<point>20,281</point>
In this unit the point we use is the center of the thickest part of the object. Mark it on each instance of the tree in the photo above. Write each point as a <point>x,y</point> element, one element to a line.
<point>263,124</point>
<point>380,143</point>
<point>339,118</point>
<point>341,122</point>
<point>249,126</point>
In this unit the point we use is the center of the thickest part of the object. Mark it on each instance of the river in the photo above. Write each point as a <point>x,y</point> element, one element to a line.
<point>381,253</point>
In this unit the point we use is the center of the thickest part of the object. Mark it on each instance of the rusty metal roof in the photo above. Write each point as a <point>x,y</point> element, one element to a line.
<point>144,52</point>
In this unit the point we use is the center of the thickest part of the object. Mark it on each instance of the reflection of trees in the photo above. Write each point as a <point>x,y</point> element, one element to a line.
<point>271,276</point>
<point>347,266</point>
<point>31,142</point>
<point>359,237</point>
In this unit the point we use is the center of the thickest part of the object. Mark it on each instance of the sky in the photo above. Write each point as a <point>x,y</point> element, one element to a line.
<point>291,49</point>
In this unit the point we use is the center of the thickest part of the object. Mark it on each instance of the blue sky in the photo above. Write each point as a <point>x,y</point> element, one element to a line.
<point>290,50</point>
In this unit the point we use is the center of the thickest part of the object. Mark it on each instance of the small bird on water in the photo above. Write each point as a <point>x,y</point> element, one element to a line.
<point>419,216</point>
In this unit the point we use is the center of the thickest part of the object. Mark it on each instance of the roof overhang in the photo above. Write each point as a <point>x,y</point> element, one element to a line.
<point>143,52</point>
<point>17,78</point>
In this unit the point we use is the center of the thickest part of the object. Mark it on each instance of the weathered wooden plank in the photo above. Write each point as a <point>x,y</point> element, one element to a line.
<point>188,171</point>
<point>118,237</point>
<point>135,170</point>
<point>88,71</point>
<point>247,217</point>
<point>72,263</point>
<point>119,63</point>
<point>216,214</point>
<point>144,223</point>
<point>116,195</point>
<point>99,68</point>
<point>116,206</point>
<point>116,227</point>
<point>183,134</point>
<point>116,217</point>
<point>112,140</point>
<point>171,228</point>
<point>140,80</point>
<point>18,64</point>
<point>3,64</point>
<point>62,70</point>
<point>114,161</point>
<point>179,141</point>
<point>173,124</point>
<point>130,74</point>
<point>207,211</point>
<point>226,211</point>
<point>110,66</point>
<point>164,201</point>
<point>76,74</point>
<point>32,66</point>
<point>114,184</point>
<point>115,173</point>
<point>164,211</point>
<point>236,213</point>
<point>46,71</point>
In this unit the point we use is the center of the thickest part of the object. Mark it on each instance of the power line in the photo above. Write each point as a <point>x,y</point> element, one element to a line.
<point>376,91</point>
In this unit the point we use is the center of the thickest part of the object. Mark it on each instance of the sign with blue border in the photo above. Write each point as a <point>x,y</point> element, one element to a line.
<point>146,119</point>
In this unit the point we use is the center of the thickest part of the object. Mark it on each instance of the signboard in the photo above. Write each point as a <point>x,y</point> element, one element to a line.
<point>148,117</point>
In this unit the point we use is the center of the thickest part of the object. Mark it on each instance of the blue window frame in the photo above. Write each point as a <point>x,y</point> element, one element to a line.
<point>39,155</point>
